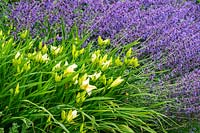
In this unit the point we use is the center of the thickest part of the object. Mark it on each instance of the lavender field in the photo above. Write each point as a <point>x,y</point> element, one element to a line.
<point>106,66</point>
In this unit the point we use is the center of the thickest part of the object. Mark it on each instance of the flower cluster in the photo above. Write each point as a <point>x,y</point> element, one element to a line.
<point>187,93</point>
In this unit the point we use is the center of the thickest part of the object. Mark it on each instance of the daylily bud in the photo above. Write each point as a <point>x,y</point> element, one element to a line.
<point>73,50</point>
<point>110,81</point>
<point>95,56</point>
<point>17,89</point>
<point>118,62</point>
<point>83,78</point>
<point>103,79</point>
<point>129,52</point>
<point>81,51</point>
<point>63,115</point>
<point>44,49</point>
<point>24,34</point>
<point>134,62</point>
<point>38,57</point>
<point>101,60</point>
<point>1,33</point>
<point>27,66</point>
<point>116,82</point>
<point>80,98</point>
<point>100,41</point>
<point>58,78</point>
<point>40,45</point>
<point>95,76</point>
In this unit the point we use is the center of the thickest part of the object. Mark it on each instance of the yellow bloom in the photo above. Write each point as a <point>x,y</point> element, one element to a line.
<point>27,66</point>
<point>73,50</point>
<point>58,78</point>
<point>80,97</point>
<point>81,51</point>
<point>17,89</point>
<point>129,52</point>
<point>101,60</point>
<point>102,42</point>
<point>87,87</point>
<point>24,34</point>
<point>71,115</point>
<point>38,57</point>
<point>95,56</point>
<point>70,69</point>
<point>118,62</point>
<point>56,50</point>
<point>45,58</point>
<point>17,55</point>
<point>116,82</point>
<point>134,62</point>
<point>57,66</point>
<point>44,49</point>
<point>95,76</point>
<point>75,79</point>
<point>106,64</point>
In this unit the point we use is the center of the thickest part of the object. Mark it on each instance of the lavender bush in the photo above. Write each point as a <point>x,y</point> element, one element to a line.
<point>169,30</point>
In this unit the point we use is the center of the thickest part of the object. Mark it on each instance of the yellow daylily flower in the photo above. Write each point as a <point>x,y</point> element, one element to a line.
<point>38,57</point>
<point>44,49</point>
<point>57,66</point>
<point>71,115</point>
<point>95,56</point>
<point>56,50</point>
<point>116,82</point>
<point>106,64</point>
<point>102,42</point>
<point>70,69</point>
<point>87,87</point>
<point>134,62</point>
<point>118,62</point>
<point>95,76</point>
<point>45,58</point>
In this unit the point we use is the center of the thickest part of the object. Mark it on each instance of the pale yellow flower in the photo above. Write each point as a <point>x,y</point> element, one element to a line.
<point>71,115</point>
<point>57,66</point>
<point>70,69</point>
<point>106,64</point>
<point>87,87</point>
<point>95,76</point>
<point>56,50</point>
<point>116,82</point>
<point>45,58</point>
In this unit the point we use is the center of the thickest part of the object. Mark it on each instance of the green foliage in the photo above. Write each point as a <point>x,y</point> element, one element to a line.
<point>64,87</point>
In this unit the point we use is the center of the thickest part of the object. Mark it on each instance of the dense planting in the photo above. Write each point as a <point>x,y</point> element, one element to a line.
<point>168,30</point>
<point>63,87</point>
